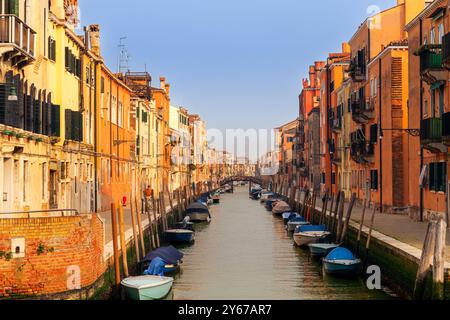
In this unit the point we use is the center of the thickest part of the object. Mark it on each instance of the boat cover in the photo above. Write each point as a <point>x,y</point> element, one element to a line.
<point>169,255</point>
<point>197,207</point>
<point>282,206</point>
<point>297,219</point>
<point>156,267</point>
<point>312,228</point>
<point>340,254</point>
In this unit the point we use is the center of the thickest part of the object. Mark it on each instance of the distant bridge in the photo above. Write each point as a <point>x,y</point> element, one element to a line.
<point>252,179</point>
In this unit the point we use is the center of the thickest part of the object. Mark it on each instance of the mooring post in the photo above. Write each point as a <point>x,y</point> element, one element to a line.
<point>141,230</point>
<point>330,213</point>
<point>348,216</point>
<point>123,244</point>
<point>426,260</point>
<point>361,224</point>
<point>115,244</point>
<point>155,219</point>
<point>340,217</point>
<point>439,260</point>
<point>133,228</point>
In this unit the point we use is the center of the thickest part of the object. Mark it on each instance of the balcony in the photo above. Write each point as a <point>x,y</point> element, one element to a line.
<point>431,69</point>
<point>357,70</point>
<point>336,125</point>
<point>363,110</point>
<point>17,40</point>
<point>431,135</point>
<point>360,150</point>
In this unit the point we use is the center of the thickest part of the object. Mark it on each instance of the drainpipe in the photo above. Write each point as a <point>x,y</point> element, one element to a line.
<point>421,118</point>
<point>380,93</point>
<point>95,141</point>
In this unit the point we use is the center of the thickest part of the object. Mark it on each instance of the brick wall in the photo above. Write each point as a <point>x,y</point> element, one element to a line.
<point>54,247</point>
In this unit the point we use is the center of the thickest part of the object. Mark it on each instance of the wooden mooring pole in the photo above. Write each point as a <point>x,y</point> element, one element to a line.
<point>155,219</point>
<point>133,227</point>
<point>361,225</point>
<point>123,244</point>
<point>347,217</point>
<point>426,260</point>
<point>439,260</point>
<point>115,244</point>
<point>141,230</point>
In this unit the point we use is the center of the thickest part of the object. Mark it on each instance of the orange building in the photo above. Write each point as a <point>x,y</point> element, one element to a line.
<point>115,141</point>
<point>332,77</point>
<point>308,153</point>
<point>429,106</point>
<point>378,72</point>
<point>161,96</point>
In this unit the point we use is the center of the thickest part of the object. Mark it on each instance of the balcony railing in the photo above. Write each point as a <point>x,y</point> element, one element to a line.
<point>16,35</point>
<point>431,69</point>
<point>357,70</point>
<point>362,111</point>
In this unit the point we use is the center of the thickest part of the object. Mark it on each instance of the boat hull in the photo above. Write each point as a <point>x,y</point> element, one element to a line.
<point>155,292</point>
<point>179,236</point>
<point>304,239</point>
<point>199,217</point>
<point>342,267</point>
<point>320,250</point>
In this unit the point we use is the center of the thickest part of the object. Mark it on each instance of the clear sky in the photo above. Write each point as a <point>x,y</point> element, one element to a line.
<point>238,63</point>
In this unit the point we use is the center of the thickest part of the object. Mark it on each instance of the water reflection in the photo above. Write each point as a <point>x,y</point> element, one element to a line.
<point>245,253</point>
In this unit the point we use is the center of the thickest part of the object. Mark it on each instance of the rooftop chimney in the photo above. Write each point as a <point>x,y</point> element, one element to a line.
<point>162,82</point>
<point>94,38</point>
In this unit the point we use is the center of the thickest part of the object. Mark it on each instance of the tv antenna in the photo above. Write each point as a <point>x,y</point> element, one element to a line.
<point>124,57</point>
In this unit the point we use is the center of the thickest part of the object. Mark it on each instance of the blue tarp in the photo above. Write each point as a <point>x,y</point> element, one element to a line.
<point>169,255</point>
<point>156,267</point>
<point>297,219</point>
<point>340,254</point>
<point>312,228</point>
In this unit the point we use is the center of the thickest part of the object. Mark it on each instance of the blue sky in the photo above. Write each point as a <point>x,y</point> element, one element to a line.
<point>238,63</point>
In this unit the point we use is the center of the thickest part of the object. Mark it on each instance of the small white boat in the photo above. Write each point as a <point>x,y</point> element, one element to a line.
<point>303,239</point>
<point>147,287</point>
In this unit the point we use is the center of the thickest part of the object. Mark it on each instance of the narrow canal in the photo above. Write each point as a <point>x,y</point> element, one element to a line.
<point>245,253</point>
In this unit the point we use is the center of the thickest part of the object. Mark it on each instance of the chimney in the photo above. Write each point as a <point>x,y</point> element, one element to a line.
<point>345,47</point>
<point>167,89</point>
<point>162,82</point>
<point>94,38</point>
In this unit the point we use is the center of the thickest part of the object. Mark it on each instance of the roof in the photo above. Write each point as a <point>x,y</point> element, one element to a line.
<point>430,7</point>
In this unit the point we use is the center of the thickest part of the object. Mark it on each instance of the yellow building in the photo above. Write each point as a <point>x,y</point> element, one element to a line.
<point>42,80</point>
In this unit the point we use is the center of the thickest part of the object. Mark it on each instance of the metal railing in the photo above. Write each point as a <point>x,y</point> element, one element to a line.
<point>14,31</point>
<point>63,212</point>
<point>431,130</point>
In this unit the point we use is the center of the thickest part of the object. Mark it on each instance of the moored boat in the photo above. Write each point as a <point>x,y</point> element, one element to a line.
<point>266,195</point>
<point>216,197</point>
<point>281,207</point>
<point>296,222</point>
<point>341,261</point>
<point>177,236</point>
<point>305,235</point>
<point>171,257</point>
<point>147,287</point>
<point>320,250</point>
<point>198,212</point>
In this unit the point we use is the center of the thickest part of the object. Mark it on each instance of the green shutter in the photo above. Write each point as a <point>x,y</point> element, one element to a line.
<point>432,177</point>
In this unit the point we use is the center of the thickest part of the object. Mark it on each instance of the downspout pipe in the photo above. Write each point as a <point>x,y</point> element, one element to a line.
<point>380,110</point>
<point>421,209</point>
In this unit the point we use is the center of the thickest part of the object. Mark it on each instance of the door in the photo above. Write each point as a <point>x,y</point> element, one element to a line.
<point>53,190</point>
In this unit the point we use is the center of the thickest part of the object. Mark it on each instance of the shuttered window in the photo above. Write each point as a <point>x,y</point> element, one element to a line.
<point>74,125</point>
<point>51,49</point>
<point>373,133</point>
<point>55,121</point>
<point>437,177</point>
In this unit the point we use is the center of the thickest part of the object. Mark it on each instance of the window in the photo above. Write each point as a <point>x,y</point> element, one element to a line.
<point>26,176</point>
<point>373,133</point>
<point>52,49</point>
<point>73,65</point>
<point>432,36</point>
<point>120,115</point>
<point>440,33</point>
<point>374,179</point>
<point>114,110</point>
<point>437,177</point>
<point>44,181</point>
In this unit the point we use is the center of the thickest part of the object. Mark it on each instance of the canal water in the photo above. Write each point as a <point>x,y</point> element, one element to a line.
<point>245,253</point>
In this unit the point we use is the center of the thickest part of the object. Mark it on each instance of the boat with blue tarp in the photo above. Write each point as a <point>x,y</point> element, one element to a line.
<point>341,261</point>
<point>320,250</point>
<point>170,255</point>
<point>295,222</point>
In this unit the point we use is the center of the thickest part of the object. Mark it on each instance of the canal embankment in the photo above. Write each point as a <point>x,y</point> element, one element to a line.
<point>395,246</point>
